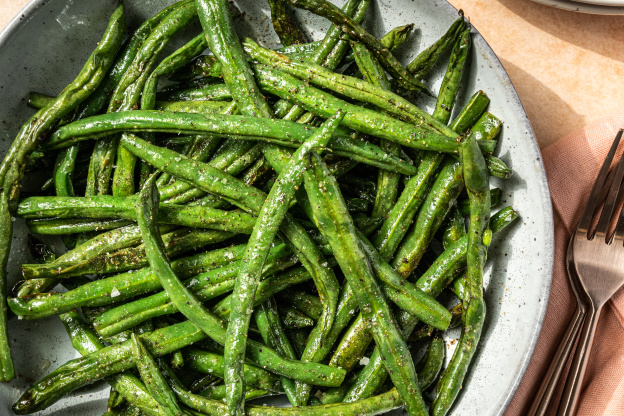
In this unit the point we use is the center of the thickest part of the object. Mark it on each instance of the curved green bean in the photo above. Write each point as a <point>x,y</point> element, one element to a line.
<point>355,30</point>
<point>105,206</point>
<point>426,60</point>
<point>128,91</point>
<point>85,341</point>
<point>120,287</point>
<point>154,380</point>
<point>351,87</point>
<point>270,326</point>
<point>331,215</point>
<point>12,167</point>
<point>238,127</point>
<point>177,242</point>
<point>477,185</point>
<point>205,286</point>
<point>452,78</point>
<point>271,215</point>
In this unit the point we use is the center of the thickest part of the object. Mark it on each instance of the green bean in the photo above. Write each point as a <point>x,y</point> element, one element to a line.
<point>238,127</point>
<point>38,101</point>
<point>334,222</point>
<point>445,191</point>
<point>176,60</point>
<point>436,278</point>
<point>269,287</point>
<point>452,78</point>
<point>115,400</point>
<point>400,217</point>
<point>432,363</point>
<point>127,94</point>
<point>232,157</point>
<point>101,96</point>
<point>268,321</point>
<point>209,363</point>
<point>205,286</point>
<point>454,228</point>
<point>391,40</point>
<point>487,146</point>
<point>55,226</point>
<point>208,322</point>
<point>40,251</point>
<point>427,369</point>
<point>495,199</point>
<point>154,380</point>
<point>292,318</point>
<point>12,167</point>
<point>404,294</point>
<point>203,382</point>
<point>62,176</point>
<point>211,92</point>
<point>306,303</point>
<point>351,87</point>
<point>124,410</point>
<point>369,407</point>
<point>218,393</point>
<point>471,112</point>
<point>329,53</point>
<point>177,242</point>
<point>224,43</point>
<point>387,182</point>
<point>105,206</point>
<point>285,24</point>
<point>487,127</point>
<point>358,118</point>
<point>120,287</point>
<point>270,218</point>
<point>209,66</point>
<point>100,165</point>
<point>448,183</point>
<point>298,339</point>
<point>63,169</point>
<point>126,384</point>
<point>198,107</point>
<point>497,167</point>
<point>426,60</point>
<point>353,29</point>
<point>117,358</point>
<point>477,185</point>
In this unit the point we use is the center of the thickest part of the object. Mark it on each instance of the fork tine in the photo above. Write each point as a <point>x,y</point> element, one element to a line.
<point>612,198</point>
<point>592,203</point>
<point>619,228</point>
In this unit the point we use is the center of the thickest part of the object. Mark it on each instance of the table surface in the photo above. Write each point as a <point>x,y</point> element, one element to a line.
<point>564,65</point>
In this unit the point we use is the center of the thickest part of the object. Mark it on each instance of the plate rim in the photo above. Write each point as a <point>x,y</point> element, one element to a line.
<point>546,202</point>
<point>580,7</point>
<point>25,13</point>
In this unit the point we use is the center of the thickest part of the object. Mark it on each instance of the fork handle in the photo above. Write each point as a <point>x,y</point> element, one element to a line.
<point>572,390</point>
<point>551,378</point>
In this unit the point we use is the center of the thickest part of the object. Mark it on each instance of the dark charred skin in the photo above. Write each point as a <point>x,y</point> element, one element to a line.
<point>285,24</point>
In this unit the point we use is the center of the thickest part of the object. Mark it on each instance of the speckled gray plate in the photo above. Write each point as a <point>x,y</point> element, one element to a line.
<point>44,47</point>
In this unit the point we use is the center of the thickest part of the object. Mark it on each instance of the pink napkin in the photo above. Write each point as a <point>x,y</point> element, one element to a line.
<point>572,165</point>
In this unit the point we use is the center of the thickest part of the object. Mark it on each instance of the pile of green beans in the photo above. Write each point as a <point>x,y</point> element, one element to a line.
<point>256,227</point>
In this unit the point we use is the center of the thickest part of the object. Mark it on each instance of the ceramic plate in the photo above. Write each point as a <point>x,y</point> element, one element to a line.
<point>597,7</point>
<point>603,2</point>
<point>45,46</point>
